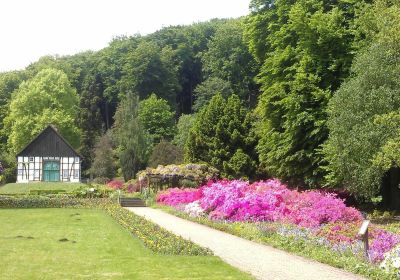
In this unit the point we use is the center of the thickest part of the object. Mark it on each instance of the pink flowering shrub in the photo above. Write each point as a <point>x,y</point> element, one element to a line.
<point>312,208</point>
<point>273,201</point>
<point>323,214</point>
<point>175,196</point>
<point>115,184</point>
<point>270,200</point>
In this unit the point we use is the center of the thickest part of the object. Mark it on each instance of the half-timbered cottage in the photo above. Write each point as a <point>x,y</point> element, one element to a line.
<point>50,158</point>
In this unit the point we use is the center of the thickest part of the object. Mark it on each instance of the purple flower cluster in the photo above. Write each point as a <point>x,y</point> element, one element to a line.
<point>382,242</point>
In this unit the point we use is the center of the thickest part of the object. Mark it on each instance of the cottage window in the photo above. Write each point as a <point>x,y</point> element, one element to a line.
<point>65,173</point>
<point>31,159</point>
<point>77,160</point>
<point>76,174</point>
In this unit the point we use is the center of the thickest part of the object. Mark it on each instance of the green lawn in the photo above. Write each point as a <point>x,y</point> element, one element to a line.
<point>88,244</point>
<point>24,188</point>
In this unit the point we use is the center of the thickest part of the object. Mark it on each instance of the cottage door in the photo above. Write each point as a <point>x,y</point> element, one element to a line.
<point>51,171</point>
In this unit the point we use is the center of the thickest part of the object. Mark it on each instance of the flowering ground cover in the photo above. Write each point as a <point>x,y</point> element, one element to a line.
<point>311,215</point>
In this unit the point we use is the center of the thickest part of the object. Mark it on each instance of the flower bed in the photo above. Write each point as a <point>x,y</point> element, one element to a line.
<point>322,215</point>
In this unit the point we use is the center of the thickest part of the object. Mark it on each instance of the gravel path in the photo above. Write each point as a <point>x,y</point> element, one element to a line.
<point>262,261</point>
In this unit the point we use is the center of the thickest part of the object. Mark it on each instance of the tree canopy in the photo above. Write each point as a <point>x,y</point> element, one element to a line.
<point>47,98</point>
<point>157,118</point>
<point>364,114</point>
<point>221,137</point>
<point>305,49</point>
<point>133,141</point>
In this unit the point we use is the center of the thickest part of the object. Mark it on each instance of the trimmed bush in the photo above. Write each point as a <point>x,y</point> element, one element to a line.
<point>45,192</point>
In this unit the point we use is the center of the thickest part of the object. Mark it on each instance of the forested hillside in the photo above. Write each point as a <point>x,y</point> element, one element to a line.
<point>305,91</point>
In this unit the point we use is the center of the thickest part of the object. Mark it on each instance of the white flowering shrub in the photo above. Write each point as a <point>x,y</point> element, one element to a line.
<point>392,261</point>
<point>194,209</point>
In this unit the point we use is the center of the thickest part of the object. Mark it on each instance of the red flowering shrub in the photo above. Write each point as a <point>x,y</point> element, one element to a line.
<point>115,184</point>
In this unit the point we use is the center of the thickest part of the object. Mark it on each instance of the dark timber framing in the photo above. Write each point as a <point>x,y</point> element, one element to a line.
<point>48,146</point>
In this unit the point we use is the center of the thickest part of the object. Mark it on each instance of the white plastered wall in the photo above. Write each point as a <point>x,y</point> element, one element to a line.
<point>30,169</point>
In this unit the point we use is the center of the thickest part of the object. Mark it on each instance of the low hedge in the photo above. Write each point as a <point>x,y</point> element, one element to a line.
<point>37,201</point>
<point>45,192</point>
<point>154,237</point>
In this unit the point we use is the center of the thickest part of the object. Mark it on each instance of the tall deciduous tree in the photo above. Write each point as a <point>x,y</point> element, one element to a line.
<point>165,153</point>
<point>149,69</point>
<point>9,82</point>
<point>157,118</point>
<point>48,98</point>
<point>132,139</point>
<point>364,116</point>
<point>228,58</point>
<point>183,127</point>
<point>306,49</point>
<point>207,89</point>
<point>221,136</point>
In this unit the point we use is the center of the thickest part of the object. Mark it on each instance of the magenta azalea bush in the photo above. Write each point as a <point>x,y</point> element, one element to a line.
<point>263,201</point>
<point>324,214</point>
<point>175,196</point>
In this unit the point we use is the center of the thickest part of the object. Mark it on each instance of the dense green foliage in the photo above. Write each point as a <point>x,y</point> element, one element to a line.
<point>221,136</point>
<point>133,141</point>
<point>183,126</point>
<point>157,118</point>
<point>306,49</point>
<point>46,99</point>
<point>9,82</point>
<point>207,89</point>
<point>89,117</point>
<point>103,163</point>
<point>228,58</point>
<point>364,114</point>
<point>150,69</point>
<point>165,153</point>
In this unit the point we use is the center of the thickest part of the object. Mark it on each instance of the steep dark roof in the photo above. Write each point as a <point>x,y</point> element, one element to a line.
<point>49,143</point>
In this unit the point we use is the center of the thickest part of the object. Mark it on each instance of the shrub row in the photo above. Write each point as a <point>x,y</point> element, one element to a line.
<point>33,201</point>
<point>155,238</point>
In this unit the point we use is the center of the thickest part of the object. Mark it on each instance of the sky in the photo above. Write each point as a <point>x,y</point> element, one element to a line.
<point>34,28</point>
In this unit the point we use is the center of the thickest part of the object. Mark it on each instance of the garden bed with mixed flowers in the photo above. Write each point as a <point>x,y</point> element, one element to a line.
<point>269,207</point>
